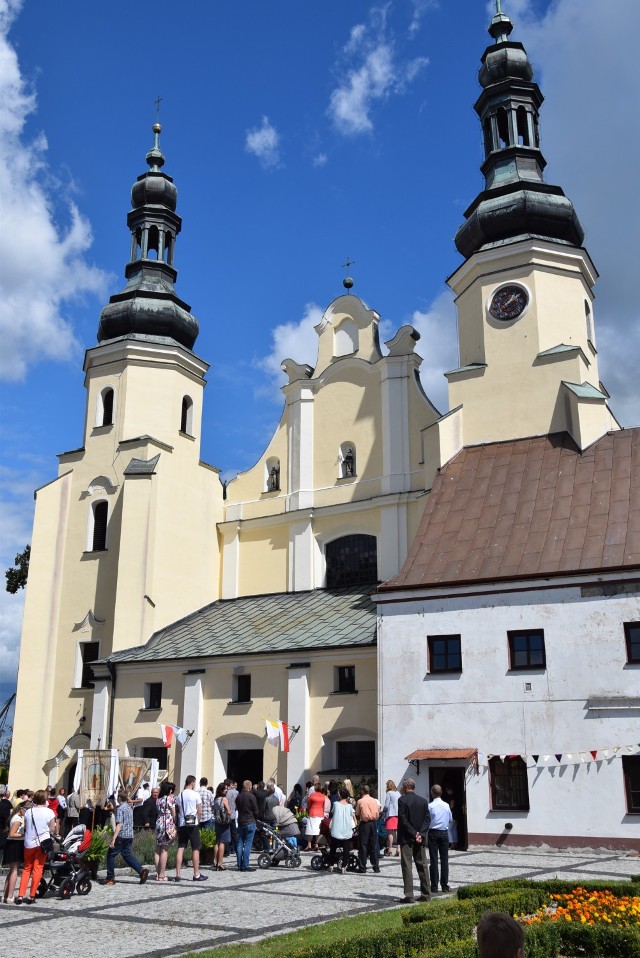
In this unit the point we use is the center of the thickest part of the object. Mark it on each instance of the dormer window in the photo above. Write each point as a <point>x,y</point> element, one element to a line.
<point>347,461</point>
<point>186,416</point>
<point>272,479</point>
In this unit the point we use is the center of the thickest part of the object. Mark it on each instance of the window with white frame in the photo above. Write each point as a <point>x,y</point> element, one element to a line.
<point>98,521</point>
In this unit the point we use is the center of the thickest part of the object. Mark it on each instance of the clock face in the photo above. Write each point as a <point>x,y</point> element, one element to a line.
<point>508,302</point>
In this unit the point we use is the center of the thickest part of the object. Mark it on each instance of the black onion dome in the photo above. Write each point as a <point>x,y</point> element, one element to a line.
<point>503,61</point>
<point>148,306</point>
<point>516,202</point>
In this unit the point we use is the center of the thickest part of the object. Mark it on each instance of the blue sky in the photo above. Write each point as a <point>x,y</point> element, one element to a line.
<point>298,134</point>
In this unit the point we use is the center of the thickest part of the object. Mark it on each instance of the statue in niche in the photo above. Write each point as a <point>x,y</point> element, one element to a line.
<point>348,464</point>
<point>274,479</point>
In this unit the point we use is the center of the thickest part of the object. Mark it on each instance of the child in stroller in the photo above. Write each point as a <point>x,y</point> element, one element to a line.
<point>280,849</point>
<point>68,872</point>
<point>321,861</point>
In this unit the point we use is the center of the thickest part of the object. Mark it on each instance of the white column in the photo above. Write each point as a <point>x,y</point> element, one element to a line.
<point>230,562</point>
<point>191,751</point>
<point>300,478</point>
<point>298,714</point>
<point>301,556</point>
<point>395,423</point>
<point>100,713</point>
<point>392,545</point>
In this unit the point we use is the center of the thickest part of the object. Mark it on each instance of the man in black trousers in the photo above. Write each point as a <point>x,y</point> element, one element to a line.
<point>413,828</point>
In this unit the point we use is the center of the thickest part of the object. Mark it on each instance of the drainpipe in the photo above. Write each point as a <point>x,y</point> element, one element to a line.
<point>112,672</point>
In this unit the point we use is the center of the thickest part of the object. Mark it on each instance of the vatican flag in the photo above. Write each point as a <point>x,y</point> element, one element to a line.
<point>277,734</point>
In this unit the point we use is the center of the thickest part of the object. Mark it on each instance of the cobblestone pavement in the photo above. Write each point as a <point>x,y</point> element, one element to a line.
<point>159,920</point>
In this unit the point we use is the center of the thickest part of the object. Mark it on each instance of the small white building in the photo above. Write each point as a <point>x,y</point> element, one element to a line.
<point>509,644</point>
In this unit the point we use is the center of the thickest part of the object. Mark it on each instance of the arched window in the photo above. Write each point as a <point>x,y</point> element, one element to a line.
<point>153,243</point>
<point>523,126</point>
<point>168,248</point>
<point>186,416</point>
<point>107,407</point>
<point>588,315</point>
<point>503,128</point>
<point>99,537</point>
<point>351,560</point>
<point>345,338</point>
<point>347,461</point>
<point>272,478</point>
<point>104,407</point>
<point>488,136</point>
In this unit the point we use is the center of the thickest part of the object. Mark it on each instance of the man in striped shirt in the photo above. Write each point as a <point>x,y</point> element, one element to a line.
<point>122,841</point>
<point>206,800</point>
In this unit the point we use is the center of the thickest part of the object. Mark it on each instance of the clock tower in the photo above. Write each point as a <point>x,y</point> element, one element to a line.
<point>524,294</point>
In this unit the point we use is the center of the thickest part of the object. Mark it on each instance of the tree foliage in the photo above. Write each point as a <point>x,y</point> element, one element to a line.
<point>17,575</point>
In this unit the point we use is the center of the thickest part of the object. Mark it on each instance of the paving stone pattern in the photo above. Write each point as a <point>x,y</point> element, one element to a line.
<point>159,920</point>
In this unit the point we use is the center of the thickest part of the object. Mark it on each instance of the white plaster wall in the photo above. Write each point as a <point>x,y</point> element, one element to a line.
<point>486,706</point>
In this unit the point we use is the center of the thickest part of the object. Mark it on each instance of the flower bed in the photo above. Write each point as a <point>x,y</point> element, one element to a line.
<point>588,907</point>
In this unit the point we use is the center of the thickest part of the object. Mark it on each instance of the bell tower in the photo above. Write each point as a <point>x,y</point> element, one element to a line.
<point>524,294</point>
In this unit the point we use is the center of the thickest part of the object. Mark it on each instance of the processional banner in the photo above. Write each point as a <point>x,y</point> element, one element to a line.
<point>96,775</point>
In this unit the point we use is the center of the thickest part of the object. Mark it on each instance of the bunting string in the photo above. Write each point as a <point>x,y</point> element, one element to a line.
<point>555,759</point>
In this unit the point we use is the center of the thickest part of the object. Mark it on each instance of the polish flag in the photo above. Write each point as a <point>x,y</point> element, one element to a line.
<point>284,736</point>
<point>167,735</point>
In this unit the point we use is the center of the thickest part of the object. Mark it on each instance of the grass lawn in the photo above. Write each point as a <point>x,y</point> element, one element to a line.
<point>281,946</point>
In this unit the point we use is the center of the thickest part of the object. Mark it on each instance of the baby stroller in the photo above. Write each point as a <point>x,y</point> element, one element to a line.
<point>321,861</point>
<point>68,872</point>
<point>279,850</point>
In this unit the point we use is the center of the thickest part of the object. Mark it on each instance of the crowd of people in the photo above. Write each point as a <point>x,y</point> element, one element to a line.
<point>405,824</point>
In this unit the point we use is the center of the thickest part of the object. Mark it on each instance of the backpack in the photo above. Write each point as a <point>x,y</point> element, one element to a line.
<point>220,815</point>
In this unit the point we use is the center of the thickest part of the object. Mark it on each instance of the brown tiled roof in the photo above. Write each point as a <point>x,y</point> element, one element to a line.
<point>441,753</point>
<point>529,507</point>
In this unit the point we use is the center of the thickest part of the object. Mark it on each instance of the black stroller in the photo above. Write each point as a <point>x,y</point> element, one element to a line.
<point>321,860</point>
<point>279,850</point>
<point>68,873</point>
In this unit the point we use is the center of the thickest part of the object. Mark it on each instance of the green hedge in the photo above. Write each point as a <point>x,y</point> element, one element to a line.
<point>574,940</point>
<point>515,901</point>
<point>556,886</point>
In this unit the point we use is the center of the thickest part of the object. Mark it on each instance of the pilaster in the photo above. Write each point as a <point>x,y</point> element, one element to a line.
<point>298,714</point>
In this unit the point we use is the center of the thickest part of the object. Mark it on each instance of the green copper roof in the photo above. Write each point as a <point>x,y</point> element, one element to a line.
<point>282,622</point>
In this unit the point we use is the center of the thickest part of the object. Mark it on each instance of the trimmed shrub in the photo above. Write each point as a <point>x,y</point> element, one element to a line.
<point>516,901</point>
<point>559,886</point>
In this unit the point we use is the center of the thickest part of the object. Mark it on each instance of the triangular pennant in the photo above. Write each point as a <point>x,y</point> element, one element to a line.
<point>535,758</point>
<point>545,758</point>
<point>569,756</point>
<point>605,752</point>
<point>583,757</point>
<point>593,754</point>
<point>502,758</point>
<point>616,749</point>
<point>558,757</point>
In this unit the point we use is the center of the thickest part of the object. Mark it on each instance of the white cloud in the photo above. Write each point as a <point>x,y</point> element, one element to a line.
<point>320,160</point>
<point>264,142</point>
<point>297,341</point>
<point>371,71</point>
<point>42,268</point>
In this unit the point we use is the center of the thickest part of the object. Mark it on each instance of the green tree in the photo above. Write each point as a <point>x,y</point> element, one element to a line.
<point>17,575</point>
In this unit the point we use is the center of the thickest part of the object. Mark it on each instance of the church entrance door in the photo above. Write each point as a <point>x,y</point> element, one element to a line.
<point>243,763</point>
<point>452,781</point>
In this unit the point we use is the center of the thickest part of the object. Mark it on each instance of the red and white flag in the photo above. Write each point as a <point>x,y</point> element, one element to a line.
<point>277,734</point>
<point>167,735</point>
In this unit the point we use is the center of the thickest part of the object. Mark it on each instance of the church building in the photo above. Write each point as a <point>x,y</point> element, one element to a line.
<point>454,597</point>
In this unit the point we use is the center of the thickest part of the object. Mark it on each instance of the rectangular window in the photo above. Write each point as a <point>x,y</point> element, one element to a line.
<point>90,652</point>
<point>242,688</point>
<point>445,654</point>
<point>156,751</point>
<point>631,772</point>
<point>356,757</point>
<point>509,784</point>
<point>632,634</point>
<point>345,678</point>
<point>153,695</point>
<point>526,649</point>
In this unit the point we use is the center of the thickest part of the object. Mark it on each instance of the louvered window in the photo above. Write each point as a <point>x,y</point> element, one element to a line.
<point>107,407</point>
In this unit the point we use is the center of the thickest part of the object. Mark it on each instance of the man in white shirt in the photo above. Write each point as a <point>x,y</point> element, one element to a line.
<point>277,791</point>
<point>189,813</point>
<point>438,840</point>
